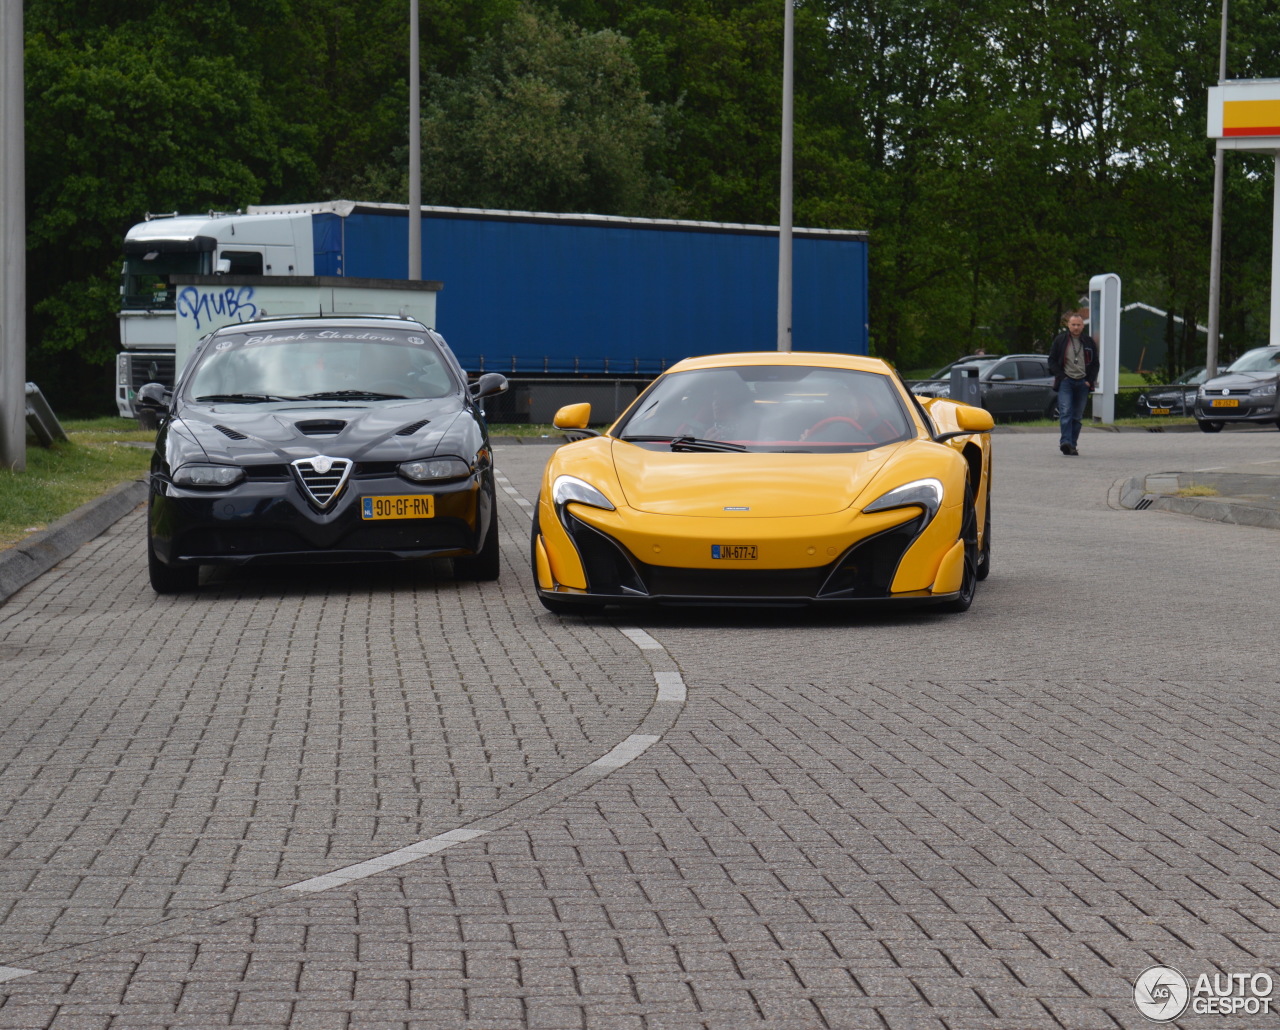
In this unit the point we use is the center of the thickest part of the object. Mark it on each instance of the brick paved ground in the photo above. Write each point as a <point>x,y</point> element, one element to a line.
<point>991,821</point>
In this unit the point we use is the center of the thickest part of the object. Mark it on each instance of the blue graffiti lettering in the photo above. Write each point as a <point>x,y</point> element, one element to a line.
<point>232,303</point>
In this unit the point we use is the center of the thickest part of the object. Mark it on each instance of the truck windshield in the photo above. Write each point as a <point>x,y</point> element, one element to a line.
<point>146,283</point>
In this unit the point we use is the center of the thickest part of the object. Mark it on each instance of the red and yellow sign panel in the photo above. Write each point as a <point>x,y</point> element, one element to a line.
<point>1251,118</point>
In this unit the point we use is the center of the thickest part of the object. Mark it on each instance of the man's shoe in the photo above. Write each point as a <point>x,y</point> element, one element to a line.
<point>1065,448</point>
<point>1072,450</point>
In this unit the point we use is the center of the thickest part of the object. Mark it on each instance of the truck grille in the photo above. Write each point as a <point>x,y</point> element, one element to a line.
<point>148,368</point>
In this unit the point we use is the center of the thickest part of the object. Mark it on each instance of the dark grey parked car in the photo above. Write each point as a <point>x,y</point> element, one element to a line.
<point>1178,398</point>
<point>1244,392</point>
<point>1012,385</point>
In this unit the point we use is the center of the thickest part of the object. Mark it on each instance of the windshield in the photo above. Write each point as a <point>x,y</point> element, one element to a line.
<point>339,363</point>
<point>145,283</point>
<point>1263,359</point>
<point>769,408</point>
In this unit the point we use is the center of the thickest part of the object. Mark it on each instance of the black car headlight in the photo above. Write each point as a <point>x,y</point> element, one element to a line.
<point>208,476</point>
<point>570,488</point>
<point>428,470</point>
<point>923,493</point>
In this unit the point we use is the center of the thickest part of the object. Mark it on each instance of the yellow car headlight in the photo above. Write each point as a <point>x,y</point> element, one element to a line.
<point>571,488</point>
<point>923,493</point>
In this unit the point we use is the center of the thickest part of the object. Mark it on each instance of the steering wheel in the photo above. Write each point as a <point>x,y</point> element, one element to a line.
<point>809,433</point>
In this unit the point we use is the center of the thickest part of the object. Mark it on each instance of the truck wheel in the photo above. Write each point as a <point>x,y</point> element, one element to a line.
<point>147,419</point>
<point>1209,427</point>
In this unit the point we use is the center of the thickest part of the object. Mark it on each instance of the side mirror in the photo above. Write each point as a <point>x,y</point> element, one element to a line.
<point>573,416</point>
<point>488,385</point>
<point>974,420</point>
<point>153,397</point>
<point>998,378</point>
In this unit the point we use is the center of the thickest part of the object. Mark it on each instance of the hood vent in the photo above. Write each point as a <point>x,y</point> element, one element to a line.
<point>322,477</point>
<point>320,427</point>
<point>230,434</point>
<point>411,429</point>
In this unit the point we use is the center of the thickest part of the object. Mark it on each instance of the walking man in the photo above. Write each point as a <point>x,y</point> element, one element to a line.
<point>1073,363</point>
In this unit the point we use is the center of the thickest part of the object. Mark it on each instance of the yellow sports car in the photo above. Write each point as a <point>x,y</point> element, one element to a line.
<point>768,478</point>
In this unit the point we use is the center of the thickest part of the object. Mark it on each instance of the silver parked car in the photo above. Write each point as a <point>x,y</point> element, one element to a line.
<point>1244,392</point>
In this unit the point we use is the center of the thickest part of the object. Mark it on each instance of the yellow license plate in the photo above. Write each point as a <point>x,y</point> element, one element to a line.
<point>414,506</point>
<point>1160,411</point>
<point>734,552</point>
<point>1226,402</point>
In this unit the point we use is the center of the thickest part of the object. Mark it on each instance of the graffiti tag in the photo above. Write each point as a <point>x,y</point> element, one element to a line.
<point>233,304</point>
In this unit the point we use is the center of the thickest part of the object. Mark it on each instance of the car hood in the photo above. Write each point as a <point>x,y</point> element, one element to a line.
<point>758,485</point>
<point>1238,381</point>
<point>255,434</point>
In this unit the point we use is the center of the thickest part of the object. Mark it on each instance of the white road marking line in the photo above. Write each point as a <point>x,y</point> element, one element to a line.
<point>12,973</point>
<point>628,751</point>
<point>671,686</point>
<point>641,639</point>
<point>391,860</point>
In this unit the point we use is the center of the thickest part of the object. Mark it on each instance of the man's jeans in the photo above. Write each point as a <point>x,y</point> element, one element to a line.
<point>1072,395</point>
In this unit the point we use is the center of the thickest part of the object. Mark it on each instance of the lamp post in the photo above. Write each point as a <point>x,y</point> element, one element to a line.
<point>784,201</point>
<point>13,245</point>
<point>1215,238</point>
<point>415,150</point>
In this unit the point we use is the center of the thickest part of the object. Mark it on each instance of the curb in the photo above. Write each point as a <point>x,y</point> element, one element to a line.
<point>41,551</point>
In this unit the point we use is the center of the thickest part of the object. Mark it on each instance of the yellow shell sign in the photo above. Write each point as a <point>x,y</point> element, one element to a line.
<point>1246,115</point>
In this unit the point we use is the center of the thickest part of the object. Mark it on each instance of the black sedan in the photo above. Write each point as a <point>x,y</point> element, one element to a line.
<point>339,439</point>
<point>1244,392</point>
<point>1178,398</point>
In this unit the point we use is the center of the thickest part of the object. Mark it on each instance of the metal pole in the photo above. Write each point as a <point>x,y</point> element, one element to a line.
<point>13,244</point>
<point>415,150</point>
<point>784,203</point>
<point>1215,241</point>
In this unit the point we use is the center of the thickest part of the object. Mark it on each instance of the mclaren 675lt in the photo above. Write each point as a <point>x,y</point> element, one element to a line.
<point>768,478</point>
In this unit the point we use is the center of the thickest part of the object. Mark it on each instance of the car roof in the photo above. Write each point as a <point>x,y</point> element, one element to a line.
<point>280,321</point>
<point>858,362</point>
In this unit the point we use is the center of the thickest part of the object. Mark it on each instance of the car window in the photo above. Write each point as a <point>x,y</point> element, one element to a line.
<point>1008,369</point>
<point>771,407</point>
<point>292,363</point>
<point>1262,359</point>
<point>1032,369</point>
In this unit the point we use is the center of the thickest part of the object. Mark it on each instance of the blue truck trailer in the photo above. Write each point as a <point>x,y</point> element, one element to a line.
<point>524,293</point>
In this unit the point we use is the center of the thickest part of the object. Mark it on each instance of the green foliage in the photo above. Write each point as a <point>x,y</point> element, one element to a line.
<point>999,154</point>
<point>544,117</point>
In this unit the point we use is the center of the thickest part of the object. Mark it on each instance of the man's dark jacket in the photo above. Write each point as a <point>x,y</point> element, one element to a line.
<point>1058,348</point>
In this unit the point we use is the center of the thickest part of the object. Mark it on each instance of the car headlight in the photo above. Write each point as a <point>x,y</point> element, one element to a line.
<point>1199,392</point>
<point>571,488</point>
<point>208,475</point>
<point>1265,390</point>
<point>923,493</point>
<point>429,469</point>
<point>1142,398</point>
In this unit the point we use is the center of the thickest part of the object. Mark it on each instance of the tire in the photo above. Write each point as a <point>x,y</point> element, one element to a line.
<point>969,534</point>
<point>1208,427</point>
<point>551,604</point>
<point>1052,410</point>
<point>486,565</point>
<point>169,579</point>
<point>984,554</point>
